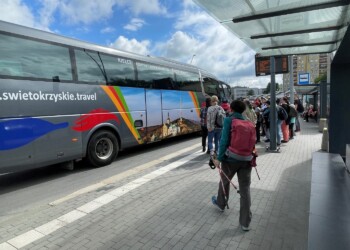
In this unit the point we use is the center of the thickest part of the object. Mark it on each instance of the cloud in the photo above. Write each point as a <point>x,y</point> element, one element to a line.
<point>87,12</point>
<point>135,24</point>
<point>15,11</point>
<point>132,45</point>
<point>107,30</point>
<point>138,7</point>
<point>217,50</point>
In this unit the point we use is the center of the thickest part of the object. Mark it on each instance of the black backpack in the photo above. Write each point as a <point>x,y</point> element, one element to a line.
<point>300,107</point>
<point>282,114</point>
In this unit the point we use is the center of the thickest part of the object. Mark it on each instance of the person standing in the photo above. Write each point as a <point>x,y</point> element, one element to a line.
<point>258,121</point>
<point>266,121</point>
<point>293,115</point>
<point>203,116</point>
<point>214,128</point>
<point>235,140</point>
<point>226,106</point>
<point>249,113</point>
<point>285,123</point>
<point>278,122</point>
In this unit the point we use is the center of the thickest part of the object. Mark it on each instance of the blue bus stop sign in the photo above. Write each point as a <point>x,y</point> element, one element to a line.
<point>303,78</point>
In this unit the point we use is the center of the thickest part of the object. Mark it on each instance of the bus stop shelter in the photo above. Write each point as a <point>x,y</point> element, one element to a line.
<point>296,27</point>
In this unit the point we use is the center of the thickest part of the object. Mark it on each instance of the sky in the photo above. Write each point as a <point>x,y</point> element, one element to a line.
<point>179,30</point>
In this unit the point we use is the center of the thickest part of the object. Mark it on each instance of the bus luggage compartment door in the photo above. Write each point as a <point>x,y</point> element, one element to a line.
<point>58,140</point>
<point>16,150</point>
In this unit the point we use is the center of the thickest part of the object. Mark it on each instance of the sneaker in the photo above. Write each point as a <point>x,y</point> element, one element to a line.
<point>215,203</point>
<point>267,140</point>
<point>284,141</point>
<point>245,228</point>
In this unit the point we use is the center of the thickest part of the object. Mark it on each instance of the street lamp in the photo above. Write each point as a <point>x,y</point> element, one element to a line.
<point>192,58</point>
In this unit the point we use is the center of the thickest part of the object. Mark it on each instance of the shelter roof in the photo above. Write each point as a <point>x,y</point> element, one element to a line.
<point>288,27</point>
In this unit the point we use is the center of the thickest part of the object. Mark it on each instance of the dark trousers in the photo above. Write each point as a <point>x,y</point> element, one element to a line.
<point>204,135</point>
<point>243,170</point>
<point>291,131</point>
<point>257,129</point>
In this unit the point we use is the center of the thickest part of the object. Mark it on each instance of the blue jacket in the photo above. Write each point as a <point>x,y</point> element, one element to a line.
<point>226,136</point>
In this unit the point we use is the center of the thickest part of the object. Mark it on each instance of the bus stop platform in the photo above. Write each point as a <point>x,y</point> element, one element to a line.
<point>168,206</point>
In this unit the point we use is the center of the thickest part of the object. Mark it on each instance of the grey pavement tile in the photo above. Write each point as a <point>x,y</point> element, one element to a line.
<point>233,245</point>
<point>174,210</point>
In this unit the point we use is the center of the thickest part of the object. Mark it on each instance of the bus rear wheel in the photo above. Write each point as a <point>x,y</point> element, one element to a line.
<point>102,149</point>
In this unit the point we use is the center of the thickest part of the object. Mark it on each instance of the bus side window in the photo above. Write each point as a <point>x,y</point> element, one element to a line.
<point>211,86</point>
<point>188,81</point>
<point>22,57</point>
<point>154,76</point>
<point>119,71</point>
<point>87,69</point>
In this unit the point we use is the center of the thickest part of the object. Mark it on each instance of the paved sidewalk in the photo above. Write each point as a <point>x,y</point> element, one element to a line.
<point>174,210</point>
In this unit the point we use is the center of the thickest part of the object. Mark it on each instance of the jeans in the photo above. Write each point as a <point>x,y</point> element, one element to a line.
<point>243,170</point>
<point>214,135</point>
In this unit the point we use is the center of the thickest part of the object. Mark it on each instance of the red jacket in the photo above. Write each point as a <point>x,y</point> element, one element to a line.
<point>225,106</point>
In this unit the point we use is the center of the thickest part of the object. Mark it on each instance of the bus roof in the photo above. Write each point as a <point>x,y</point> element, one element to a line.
<point>54,38</point>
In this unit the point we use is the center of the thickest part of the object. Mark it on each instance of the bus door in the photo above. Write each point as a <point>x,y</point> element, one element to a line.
<point>225,91</point>
<point>211,87</point>
<point>154,122</point>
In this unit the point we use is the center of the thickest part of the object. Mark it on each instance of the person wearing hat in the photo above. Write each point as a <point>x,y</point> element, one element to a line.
<point>214,130</point>
<point>226,106</point>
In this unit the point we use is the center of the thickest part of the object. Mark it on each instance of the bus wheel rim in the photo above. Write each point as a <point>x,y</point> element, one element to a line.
<point>104,148</point>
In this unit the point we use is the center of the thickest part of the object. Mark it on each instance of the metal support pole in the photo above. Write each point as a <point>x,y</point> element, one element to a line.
<point>273,121</point>
<point>323,99</point>
<point>291,80</point>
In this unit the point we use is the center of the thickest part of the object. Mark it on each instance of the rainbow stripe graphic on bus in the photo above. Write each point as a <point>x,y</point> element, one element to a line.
<point>195,102</point>
<point>116,96</point>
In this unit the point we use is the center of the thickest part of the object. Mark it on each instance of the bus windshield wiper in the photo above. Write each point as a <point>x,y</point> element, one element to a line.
<point>103,71</point>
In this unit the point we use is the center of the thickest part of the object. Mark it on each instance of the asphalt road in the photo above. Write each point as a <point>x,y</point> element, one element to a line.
<point>23,191</point>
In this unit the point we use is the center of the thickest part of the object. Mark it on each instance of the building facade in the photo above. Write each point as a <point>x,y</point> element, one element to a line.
<point>315,64</point>
<point>242,92</point>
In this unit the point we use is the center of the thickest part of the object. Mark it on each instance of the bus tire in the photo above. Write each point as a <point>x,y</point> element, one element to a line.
<point>102,149</point>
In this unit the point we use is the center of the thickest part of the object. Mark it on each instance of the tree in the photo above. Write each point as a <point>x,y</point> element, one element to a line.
<point>250,92</point>
<point>267,90</point>
<point>321,78</point>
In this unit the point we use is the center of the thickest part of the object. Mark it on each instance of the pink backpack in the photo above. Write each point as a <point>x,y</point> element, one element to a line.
<point>243,138</point>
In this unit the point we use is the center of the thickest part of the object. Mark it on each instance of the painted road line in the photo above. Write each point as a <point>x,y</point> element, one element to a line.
<point>64,220</point>
<point>122,176</point>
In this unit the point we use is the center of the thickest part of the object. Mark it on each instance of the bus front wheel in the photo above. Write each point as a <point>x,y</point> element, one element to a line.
<point>102,148</point>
